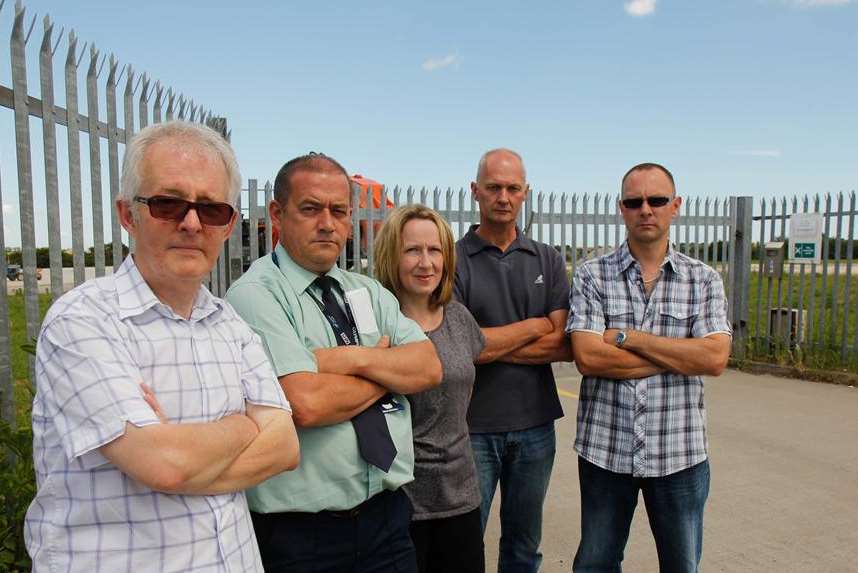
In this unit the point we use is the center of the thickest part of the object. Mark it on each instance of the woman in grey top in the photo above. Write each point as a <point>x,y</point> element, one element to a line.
<point>415,259</point>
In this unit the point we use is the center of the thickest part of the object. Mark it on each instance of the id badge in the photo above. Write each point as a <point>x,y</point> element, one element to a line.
<point>390,406</point>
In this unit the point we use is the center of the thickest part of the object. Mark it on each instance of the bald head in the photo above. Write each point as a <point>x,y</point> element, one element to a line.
<point>500,154</point>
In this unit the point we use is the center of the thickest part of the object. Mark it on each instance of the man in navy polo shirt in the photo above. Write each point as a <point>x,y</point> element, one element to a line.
<point>517,290</point>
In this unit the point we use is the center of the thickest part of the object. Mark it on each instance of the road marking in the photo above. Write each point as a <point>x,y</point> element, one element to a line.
<point>567,394</point>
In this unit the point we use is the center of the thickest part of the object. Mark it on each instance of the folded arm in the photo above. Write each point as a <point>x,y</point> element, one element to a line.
<point>322,399</point>
<point>274,450</point>
<point>502,340</point>
<point>403,369</point>
<point>180,458</point>
<point>551,347</point>
<point>689,356</point>
<point>595,357</point>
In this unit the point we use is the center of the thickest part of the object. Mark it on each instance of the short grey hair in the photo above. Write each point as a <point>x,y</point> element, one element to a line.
<point>481,166</point>
<point>195,134</point>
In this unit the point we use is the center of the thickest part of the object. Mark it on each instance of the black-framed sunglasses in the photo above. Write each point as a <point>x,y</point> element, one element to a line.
<point>637,202</point>
<point>176,209</point>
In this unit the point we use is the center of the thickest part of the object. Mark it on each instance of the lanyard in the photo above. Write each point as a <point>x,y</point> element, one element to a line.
<point>340,330</point>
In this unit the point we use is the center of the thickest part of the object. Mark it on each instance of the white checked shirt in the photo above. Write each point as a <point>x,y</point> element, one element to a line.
<point>97,343</point>
<point>653,426</point>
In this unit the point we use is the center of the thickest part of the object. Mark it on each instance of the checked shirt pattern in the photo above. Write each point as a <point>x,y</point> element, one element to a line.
<point>653,426</point>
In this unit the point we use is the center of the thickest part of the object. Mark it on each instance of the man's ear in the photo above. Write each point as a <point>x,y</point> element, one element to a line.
<point>677,203</point>
<point>474,190</point>
<point>126,216</point>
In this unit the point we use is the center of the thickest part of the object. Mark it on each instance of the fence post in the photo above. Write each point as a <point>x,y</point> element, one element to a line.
<point>739,273</point>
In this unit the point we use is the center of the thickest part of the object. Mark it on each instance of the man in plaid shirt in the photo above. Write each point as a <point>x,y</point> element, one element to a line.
<point>646,323</point>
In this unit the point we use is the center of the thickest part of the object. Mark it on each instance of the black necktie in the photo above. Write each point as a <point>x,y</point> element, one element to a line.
<point>374,441</point>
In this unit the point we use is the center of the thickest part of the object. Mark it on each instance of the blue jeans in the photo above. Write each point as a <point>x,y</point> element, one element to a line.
<point>522,461</point>
<point>674,505</point>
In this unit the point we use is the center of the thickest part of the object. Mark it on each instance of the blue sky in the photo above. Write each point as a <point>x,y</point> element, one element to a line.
<point>748,97</point>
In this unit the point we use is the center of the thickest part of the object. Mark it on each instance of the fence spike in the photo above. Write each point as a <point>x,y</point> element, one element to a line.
<point>82,52</point>
<point>111,75</point>
<point>46,36</point>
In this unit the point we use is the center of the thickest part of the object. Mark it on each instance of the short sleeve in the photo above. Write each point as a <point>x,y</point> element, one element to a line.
<point>712,318</point>
<point>585,304</point>
<point>258,382</point>
<point>394,324</point>
<point>89,382</point>
<point>559,297</point>
<point>474,335</point>
<point>274,322</point>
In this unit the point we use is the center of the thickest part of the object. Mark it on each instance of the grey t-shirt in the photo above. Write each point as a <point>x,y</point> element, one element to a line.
<point>445,477</point>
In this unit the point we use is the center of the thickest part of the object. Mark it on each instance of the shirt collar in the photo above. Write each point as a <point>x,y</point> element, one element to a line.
<point>298,276</point>
<point>474,243</point>
<point>670,259</point>
<point>136,297</point>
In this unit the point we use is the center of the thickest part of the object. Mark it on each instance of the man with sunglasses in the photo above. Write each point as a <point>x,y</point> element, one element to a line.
<point>345,354</point>
<point>647,322</point>
<point>156,405</point>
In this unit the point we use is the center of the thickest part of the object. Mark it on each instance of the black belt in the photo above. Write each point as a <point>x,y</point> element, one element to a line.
<point>272,518</point>
<point>356,510</point>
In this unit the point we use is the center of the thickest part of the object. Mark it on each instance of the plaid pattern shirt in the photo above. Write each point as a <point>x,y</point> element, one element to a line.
<point>653,426</point>
<point>97,343</point>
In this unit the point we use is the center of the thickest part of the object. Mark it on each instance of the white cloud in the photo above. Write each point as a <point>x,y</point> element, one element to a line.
<point>640,7</point>
<point>432,64</point>
<point>757,152</point>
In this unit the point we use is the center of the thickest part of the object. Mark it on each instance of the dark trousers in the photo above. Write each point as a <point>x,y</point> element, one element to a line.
<point>373,538</point>
<point>450,544</point>
<point>674,505</point>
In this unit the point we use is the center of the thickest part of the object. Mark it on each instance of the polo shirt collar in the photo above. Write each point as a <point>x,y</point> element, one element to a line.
<point>135,296</point>
<point>474,243</point>
<point>299,277</point>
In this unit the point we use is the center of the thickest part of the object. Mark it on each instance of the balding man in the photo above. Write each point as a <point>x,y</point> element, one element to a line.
<point>345,354</point>
<point>517,290</point>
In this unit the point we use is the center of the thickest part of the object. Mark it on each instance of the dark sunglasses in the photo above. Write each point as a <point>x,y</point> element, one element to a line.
<point>637,202</point>
<point>175,209</point>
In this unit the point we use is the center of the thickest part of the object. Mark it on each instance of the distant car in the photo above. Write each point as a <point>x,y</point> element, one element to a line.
<point>16,273</point>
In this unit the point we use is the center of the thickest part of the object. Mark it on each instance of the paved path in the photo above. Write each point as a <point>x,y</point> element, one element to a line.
<point>784,494</point>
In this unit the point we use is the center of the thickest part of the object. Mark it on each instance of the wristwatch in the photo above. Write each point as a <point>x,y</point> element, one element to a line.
<point>620,339</point>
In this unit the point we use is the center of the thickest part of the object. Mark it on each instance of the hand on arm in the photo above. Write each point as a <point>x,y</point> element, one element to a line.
<point>501,340</point>
<point>688,356</point>
<point>596,357</point>
<point>403,369</point>
<point>551,347</point>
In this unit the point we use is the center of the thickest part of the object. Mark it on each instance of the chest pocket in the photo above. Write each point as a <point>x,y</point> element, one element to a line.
<point>676,320</point>
<point>620,314</point>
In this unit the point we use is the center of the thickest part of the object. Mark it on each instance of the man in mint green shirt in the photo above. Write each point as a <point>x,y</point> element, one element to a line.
<point>337,511</point>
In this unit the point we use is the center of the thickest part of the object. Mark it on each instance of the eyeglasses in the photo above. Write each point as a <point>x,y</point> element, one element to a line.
<point>637,202</point>
<point>175,209</point>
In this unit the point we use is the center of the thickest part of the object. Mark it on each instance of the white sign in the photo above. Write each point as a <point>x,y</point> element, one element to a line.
<point>805,238</point>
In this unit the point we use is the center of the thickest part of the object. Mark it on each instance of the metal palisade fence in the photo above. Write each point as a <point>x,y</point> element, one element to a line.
<point>108,121</point>
<point>807,311</point>
<point>718,232</point>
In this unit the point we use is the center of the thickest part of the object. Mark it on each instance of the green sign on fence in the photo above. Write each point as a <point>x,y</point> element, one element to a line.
<point>804,251</point>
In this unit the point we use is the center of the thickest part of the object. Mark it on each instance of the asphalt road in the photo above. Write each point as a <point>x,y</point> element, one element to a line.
<point>784,492</point>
